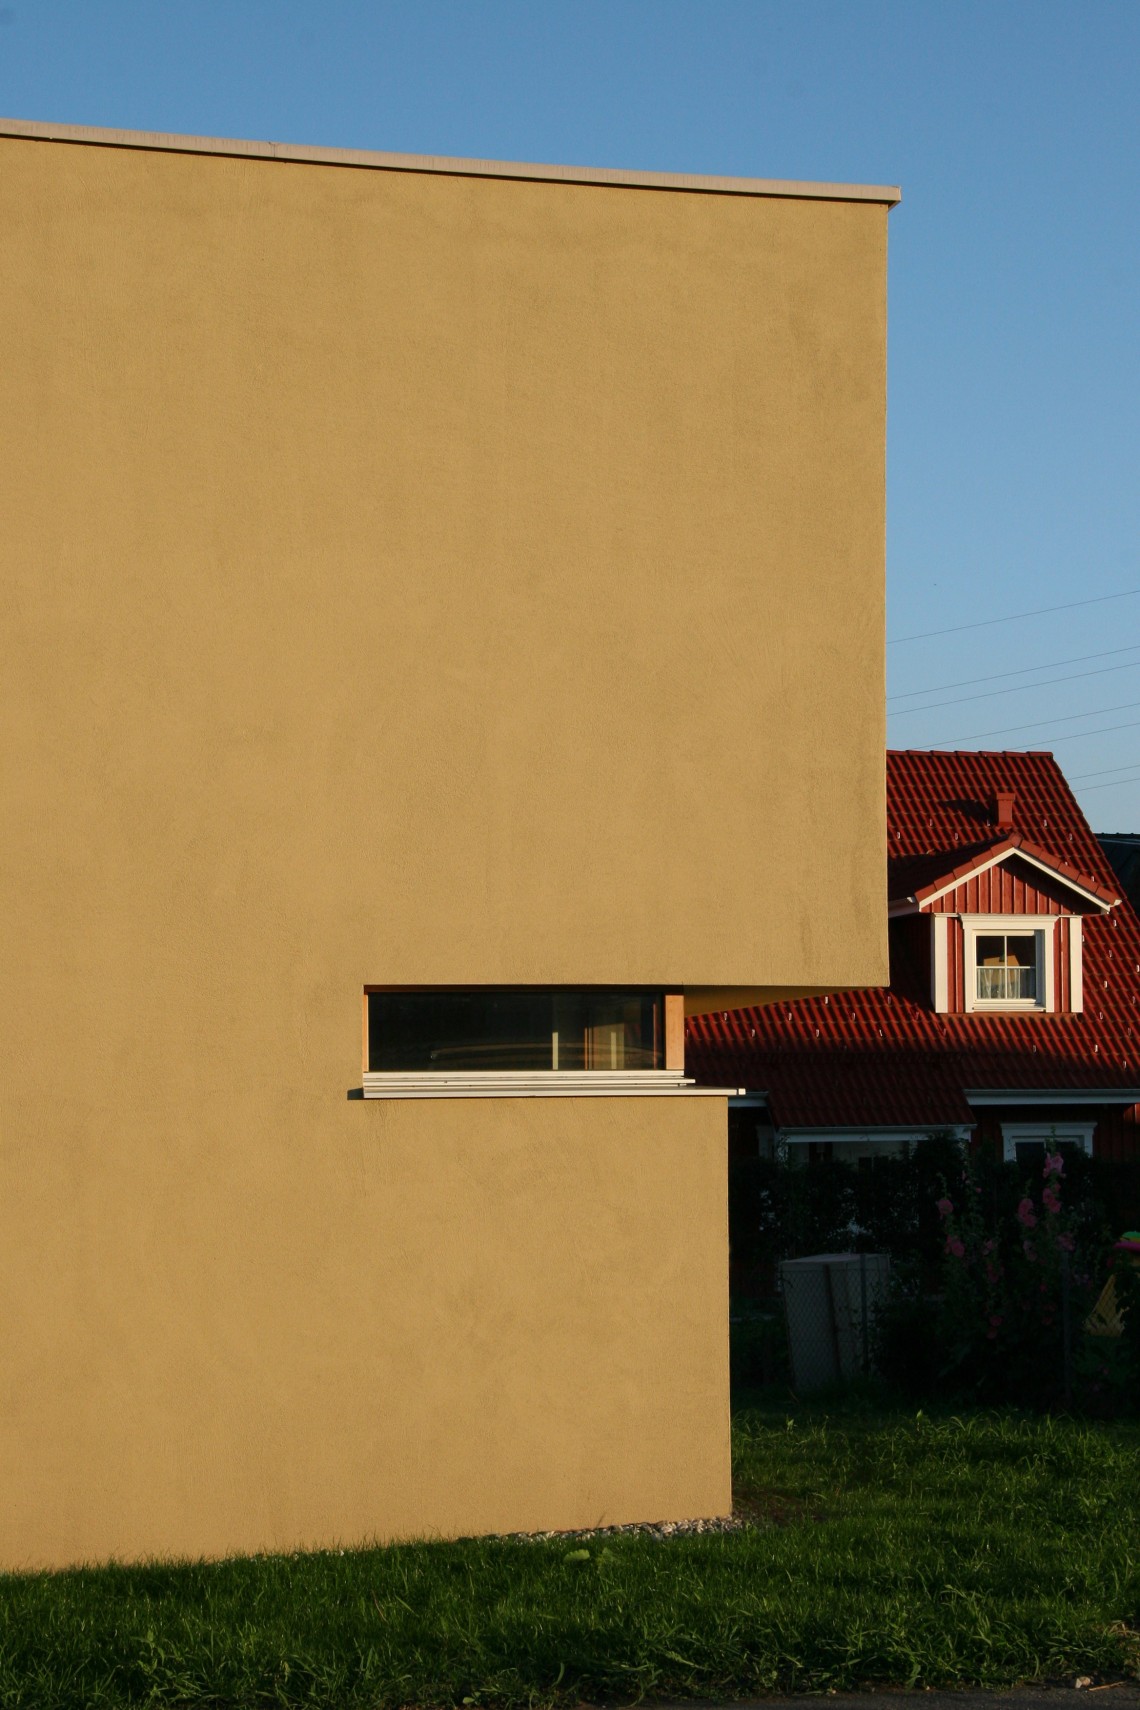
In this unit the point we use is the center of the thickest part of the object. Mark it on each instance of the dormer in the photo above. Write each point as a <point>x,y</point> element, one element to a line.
<point>1005,929</point>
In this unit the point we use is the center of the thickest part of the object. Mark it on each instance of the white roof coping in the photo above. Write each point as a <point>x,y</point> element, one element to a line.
<point>168,143</point>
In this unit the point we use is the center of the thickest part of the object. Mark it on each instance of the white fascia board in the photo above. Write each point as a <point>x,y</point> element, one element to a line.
<point>907,1131</point>
<point>1009,855</point>
<point>1041,1095</point>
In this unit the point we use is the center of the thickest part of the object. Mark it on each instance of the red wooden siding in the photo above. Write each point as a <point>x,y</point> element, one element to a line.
<point>1010,887</point>
<point>1117,1135</point>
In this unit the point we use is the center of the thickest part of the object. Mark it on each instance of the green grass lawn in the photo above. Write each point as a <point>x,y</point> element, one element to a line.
<point>887,1548</point>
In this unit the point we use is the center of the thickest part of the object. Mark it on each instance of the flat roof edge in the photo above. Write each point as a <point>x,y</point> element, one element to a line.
<point>170,143</point>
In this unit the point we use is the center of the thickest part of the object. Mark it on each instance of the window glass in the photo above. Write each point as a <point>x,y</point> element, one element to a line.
<point>1030,1154</point>
<point>1006,966</point>
<point>417,1032</point>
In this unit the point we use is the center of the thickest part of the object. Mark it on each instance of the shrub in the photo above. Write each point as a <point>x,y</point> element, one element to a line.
<point>1021,1263</point>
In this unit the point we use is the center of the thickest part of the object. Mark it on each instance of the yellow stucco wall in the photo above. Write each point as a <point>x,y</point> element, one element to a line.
<point>481,580</point>
<point>408,579</point>
<point>238,1320</point>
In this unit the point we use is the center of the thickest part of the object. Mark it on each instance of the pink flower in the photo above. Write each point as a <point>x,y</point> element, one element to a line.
<point>992,1272</point>
<point>1051,1200</point>
<point>987,1246</point>
<point>1026,1216</point>
<point>1066,1242</point>
<point>995,1319</point>
<point>1054,1165</point>
<point>955,1246</point>
<point>944,1207</point>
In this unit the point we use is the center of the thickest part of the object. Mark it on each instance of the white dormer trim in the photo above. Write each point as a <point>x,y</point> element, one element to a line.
<point>940,963</point>
<point>1076,965</point>
<point>911,905</point>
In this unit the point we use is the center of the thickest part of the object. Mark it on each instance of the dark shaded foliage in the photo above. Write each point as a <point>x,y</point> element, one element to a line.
<point>1001,1321</point>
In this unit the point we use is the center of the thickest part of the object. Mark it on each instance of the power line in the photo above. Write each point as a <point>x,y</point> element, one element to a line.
<point>1127,767</point>
<point>1017,689</point>
<point>1022,671</point>
<point>1111,785</point>
<point>1040,741</point>
<point>1015,617</point>
<point>1034,724</point>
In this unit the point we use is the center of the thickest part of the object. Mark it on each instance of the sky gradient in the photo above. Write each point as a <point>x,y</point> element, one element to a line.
<point>1013,128</point>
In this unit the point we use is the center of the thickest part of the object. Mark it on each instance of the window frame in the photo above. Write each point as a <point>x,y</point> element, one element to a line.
<point>1015,1134</point>
<point>539,1083</point>
<point>1040,927</point>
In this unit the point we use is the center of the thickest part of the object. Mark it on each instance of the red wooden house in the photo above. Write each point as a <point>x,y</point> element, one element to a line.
<point>1013,1012</point>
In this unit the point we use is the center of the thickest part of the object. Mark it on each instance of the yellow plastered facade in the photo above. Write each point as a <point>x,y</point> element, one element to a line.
<point>416,579</point>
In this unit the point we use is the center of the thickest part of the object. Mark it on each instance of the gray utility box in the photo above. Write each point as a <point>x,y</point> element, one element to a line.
<point>830,1301</point>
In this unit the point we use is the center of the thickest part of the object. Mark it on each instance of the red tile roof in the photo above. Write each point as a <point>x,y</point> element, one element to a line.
<point>883,1057</point>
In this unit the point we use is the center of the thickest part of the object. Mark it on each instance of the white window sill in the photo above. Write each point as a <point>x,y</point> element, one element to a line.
<point>591,1083</point>
<point>1005,1006</point>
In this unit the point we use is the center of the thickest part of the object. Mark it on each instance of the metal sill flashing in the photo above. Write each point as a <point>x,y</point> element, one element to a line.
<point>592,1083</point>
<point>1051,1095</point>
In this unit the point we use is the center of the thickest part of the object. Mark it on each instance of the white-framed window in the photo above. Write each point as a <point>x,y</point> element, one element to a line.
<point>523,1042</point>
<point>855,1145</point>
<point>1008,961</point>
<point>1026,1143</point>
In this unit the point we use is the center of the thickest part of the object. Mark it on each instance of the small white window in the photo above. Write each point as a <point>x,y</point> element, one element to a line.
<point>1008,962</point>
<point>1026,1143</point>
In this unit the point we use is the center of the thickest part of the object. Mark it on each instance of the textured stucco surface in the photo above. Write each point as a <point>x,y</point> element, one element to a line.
<point>461,580</point>
<point>387,1319</point>
<point>407,579</point>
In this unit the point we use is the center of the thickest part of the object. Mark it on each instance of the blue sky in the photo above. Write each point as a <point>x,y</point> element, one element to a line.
<point>1013,127</point>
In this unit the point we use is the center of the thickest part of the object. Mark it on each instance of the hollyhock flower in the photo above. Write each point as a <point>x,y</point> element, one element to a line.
<point>1026,1215</point>
<point>987,1246</point>
<point>955,1246</point>
<point>995,1319</point>
<point>992,1272</point>
<point>944,1207</point>
<point>1066,1242</point>
<point>1054,1165</point>
<point>1051,1200</point>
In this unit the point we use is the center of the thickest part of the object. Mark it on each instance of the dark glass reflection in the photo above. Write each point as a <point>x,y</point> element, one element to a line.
<point>417,1032</point>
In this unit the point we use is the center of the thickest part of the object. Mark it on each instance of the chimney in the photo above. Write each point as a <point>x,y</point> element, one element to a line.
<point>1003,809</point>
